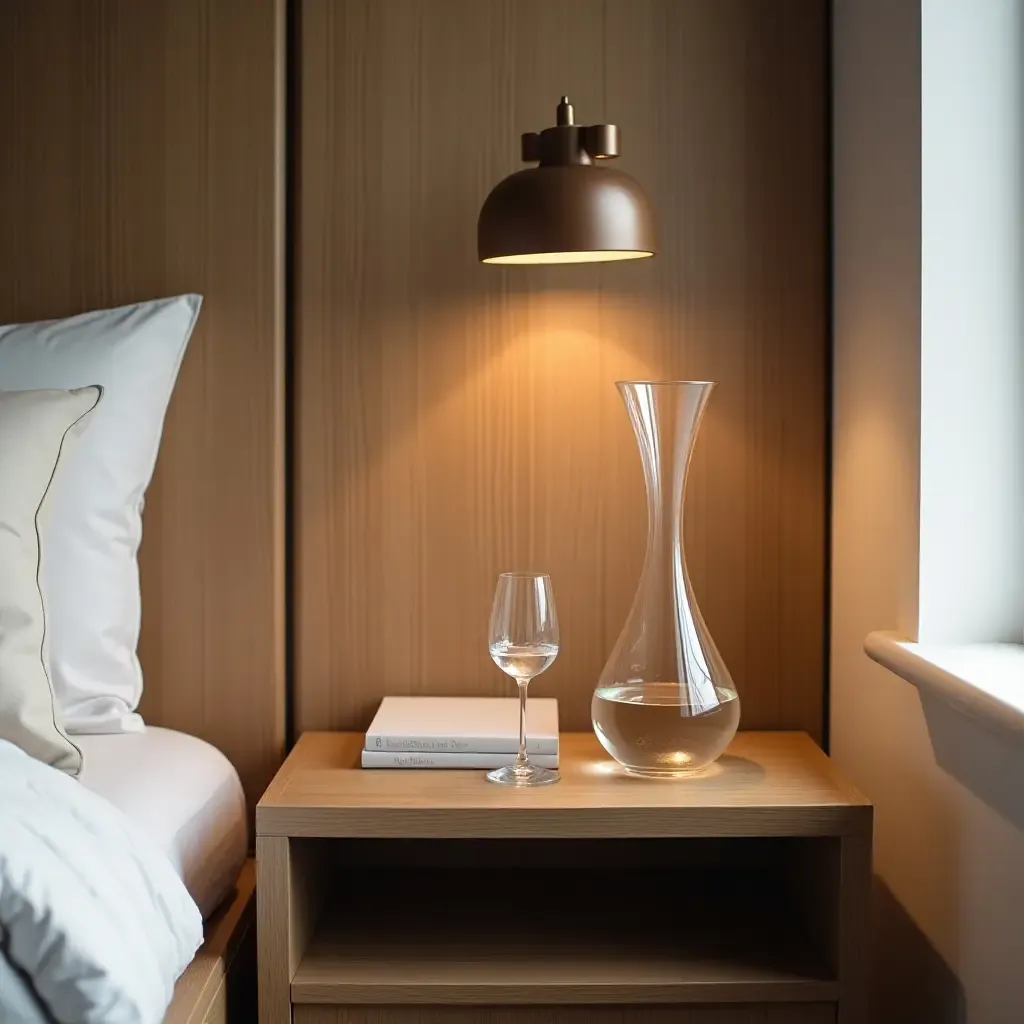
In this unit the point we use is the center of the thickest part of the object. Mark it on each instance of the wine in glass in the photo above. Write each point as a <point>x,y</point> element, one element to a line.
<point>523,643</point>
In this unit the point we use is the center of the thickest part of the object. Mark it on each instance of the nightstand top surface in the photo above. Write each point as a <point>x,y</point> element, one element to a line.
<point>768,783</point>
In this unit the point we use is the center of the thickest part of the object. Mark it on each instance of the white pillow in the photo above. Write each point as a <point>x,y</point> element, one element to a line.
<point>91,579</point>
<point>37,431</point>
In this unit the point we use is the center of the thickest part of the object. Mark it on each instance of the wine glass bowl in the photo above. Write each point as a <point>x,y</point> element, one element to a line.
<point>523,661</point>
<point>523,642</point>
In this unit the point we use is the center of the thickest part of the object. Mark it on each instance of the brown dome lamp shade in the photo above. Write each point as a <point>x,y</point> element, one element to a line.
<point>566,210</point>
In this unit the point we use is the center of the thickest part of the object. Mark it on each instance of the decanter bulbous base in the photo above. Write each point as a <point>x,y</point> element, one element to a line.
<point>652,731</point>
<point>665,705</point>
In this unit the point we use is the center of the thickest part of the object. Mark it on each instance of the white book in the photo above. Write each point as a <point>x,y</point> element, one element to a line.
<point>410,759</point>
<point>461,725</point>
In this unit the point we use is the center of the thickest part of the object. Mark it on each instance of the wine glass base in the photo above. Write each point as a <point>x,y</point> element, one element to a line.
<point>522,775</point>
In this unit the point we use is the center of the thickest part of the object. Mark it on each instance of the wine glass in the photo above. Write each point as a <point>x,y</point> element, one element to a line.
<point>523,643</point>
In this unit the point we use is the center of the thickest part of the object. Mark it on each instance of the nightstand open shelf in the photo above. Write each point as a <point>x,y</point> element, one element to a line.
<point>446,938</point>
<point>385,891</point>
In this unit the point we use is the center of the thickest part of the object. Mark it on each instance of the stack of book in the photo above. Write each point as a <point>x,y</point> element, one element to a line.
<point>460,732</point>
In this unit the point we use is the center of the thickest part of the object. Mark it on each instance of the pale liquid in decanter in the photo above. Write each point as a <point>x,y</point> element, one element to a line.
<point>656,729</point>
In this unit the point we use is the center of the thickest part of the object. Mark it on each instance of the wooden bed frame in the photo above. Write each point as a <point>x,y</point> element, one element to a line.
<point>219,986</point>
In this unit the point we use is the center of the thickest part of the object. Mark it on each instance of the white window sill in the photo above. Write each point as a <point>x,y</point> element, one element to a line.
<point>985,682</point>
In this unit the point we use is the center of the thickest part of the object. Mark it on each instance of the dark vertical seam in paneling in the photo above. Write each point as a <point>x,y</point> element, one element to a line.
<point>826,678</point>
<point>289,234</point>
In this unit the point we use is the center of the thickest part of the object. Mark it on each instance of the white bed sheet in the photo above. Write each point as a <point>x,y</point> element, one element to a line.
<point>181,791</point>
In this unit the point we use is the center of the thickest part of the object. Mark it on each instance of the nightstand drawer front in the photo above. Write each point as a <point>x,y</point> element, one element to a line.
<point>780,1013</point>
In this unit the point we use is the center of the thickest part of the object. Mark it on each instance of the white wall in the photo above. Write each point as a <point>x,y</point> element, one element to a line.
<point>949,799</point>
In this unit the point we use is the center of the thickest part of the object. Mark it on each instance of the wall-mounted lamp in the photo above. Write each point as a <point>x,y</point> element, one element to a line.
<point>566,210</point>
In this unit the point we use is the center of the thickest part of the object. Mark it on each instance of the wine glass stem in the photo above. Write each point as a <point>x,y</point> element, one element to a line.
<point>521,761</point>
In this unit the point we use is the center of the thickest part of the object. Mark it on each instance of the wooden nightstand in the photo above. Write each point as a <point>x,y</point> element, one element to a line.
<point>422,897</point>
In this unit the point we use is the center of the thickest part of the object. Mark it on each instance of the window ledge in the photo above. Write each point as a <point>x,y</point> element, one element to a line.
<point>984,682</point>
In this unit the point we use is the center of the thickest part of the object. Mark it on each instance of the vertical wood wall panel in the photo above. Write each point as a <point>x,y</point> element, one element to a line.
<point>455,420</point>
<point>143,156</point>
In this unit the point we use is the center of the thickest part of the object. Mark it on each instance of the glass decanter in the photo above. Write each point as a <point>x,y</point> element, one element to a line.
<point>665,704</point>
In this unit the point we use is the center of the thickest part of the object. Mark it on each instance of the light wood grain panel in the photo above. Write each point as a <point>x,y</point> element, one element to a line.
<point>290,891</point>
<point>456,420</point>
<point>805,1013</point>
<point>144,157</point>
<point>273,880</point>
<point>767,784</point>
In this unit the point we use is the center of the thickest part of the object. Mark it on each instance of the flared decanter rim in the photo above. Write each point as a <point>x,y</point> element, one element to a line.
<point>701,383</point>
